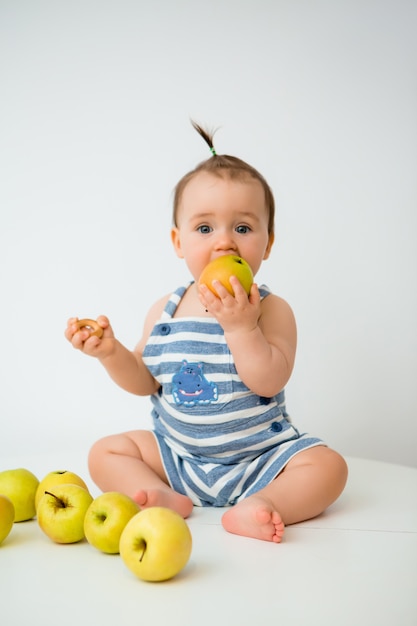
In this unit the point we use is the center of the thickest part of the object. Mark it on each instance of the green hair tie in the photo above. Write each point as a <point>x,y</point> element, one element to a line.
<point>214,153</point>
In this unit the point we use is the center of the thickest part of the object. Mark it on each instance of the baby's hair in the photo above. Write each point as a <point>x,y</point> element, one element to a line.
<point>223,165</point>
<point>206,135</point>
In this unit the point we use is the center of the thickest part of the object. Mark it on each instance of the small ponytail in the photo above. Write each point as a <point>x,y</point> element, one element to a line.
<point>206,135</point>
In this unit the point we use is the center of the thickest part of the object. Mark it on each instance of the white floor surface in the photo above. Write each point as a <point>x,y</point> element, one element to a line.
<point>355,565</point>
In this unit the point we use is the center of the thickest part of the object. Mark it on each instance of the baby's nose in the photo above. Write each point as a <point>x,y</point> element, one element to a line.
<point>225,241</point>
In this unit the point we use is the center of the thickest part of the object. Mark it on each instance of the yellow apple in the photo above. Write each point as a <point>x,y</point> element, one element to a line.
<point>58,477</point>
<point>156,544</point>
<point>106,518</point>
<point>222,268</point>
<point>61,513</point>
<point>20,486</point>
<point>6,517</point>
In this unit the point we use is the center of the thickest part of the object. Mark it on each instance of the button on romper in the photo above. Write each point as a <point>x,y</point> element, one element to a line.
<point>219,442</point>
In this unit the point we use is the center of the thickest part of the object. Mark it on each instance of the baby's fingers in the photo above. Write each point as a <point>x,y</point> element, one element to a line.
<point>91,326</point>
<point>71,328</point>
<point>79,337</point>
<point>85,332</point>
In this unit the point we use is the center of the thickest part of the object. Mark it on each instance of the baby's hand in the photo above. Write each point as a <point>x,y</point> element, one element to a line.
<point>89,336</point>
<point>238,312</point>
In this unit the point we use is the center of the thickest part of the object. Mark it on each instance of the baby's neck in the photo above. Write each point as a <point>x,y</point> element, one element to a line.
<point>190,305</point>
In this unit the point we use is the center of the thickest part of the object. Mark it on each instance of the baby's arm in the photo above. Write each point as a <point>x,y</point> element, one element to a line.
<point>261,335</point>
<point>127,369</point>
<point>124,366</point>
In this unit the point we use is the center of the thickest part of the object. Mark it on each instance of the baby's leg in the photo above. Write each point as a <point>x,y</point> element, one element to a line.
<point>310,482</point>
<point>131,463</point>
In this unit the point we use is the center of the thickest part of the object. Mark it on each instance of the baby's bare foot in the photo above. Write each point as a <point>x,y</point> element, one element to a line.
<point>254,517</point>
<point>170,499</point>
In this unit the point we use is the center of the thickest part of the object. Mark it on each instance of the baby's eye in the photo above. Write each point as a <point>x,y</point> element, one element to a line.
<point>242,229</point>
<point>204,229</point>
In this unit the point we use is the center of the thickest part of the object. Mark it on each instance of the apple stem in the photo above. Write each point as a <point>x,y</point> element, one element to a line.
<point>143,551</point>
<point>60,502</point>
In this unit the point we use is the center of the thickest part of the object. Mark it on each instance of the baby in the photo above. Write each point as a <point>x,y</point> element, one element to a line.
<point>227,440</point>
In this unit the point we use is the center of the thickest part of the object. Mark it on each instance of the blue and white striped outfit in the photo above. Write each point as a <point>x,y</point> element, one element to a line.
<point>219,442</point>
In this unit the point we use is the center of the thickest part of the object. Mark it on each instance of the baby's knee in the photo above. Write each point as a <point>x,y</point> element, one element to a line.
<point>97,452</point>
<point>341,466</point>
<point>100,450</point>
<point>330,465</point>
<point>337,468</point>
<point>122,444</point>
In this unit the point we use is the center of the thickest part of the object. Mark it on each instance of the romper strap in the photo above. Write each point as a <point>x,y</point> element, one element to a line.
<point>264,291</point>
<point>173,301</point>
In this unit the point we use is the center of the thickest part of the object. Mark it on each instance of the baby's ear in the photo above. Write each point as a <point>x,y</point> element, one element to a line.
<point>176,242</point>
<point>269,246</point>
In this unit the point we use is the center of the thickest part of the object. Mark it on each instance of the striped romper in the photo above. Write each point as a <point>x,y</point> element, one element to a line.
<point>219,442</point>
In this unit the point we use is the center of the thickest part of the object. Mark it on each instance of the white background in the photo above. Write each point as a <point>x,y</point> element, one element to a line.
<point>95,103</point>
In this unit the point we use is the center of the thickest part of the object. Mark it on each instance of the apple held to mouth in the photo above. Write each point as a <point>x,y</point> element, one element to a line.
<point>222,268</point>
<point>156,544</point>
<point>61,513</point>
<point>106,519</point>
<point>58,477</point>
<point>6,517</point>
<point>20,486</point>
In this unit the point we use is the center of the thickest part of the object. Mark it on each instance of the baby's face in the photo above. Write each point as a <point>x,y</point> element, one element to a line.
<point>218,216</point>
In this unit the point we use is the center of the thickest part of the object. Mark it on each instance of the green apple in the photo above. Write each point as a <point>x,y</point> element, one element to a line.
<point>222,268</point>
<point>61,513</point>
<point>156,544</point>
<point>106,518</point>
<point>20,486</point>
<point>6,517</point>
<point>58,477</point>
